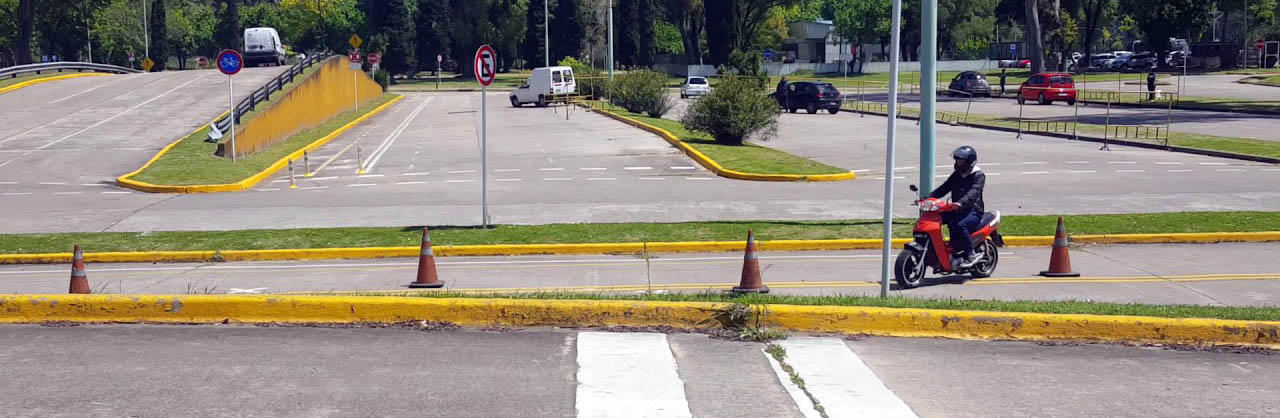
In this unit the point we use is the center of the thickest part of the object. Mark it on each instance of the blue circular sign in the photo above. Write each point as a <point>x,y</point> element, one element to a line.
<point>229,61</point>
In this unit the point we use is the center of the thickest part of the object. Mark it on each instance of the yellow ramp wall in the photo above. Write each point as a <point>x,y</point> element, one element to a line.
<point>326,93</point>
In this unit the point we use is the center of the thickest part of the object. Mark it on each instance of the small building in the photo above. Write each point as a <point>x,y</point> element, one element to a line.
<point>813,46</point>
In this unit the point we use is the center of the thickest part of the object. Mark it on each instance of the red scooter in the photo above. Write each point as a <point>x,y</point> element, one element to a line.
<point>930,249</point>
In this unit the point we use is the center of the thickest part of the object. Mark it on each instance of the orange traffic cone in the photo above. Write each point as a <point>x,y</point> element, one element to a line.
<point>1060,259</point>
<point>751,281</point>
<point>426,265</point>
<point>79,281</point>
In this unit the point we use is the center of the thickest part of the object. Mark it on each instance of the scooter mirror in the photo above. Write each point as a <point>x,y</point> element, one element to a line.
<point>913,188</point>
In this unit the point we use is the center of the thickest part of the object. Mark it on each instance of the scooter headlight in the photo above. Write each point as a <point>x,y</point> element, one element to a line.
<point>929,206</point>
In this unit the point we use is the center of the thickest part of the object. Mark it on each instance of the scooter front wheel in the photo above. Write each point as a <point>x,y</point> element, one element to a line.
<point>908,269</point>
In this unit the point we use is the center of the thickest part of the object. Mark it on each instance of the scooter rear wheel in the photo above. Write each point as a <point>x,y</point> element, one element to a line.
<point>907,269</point>
<point>986,266</point>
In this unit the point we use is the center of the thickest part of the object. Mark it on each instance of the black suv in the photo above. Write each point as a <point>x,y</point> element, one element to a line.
<point>811,96</point>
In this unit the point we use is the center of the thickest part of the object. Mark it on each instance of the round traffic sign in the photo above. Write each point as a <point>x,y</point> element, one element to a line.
<point>203,62</point>
<point>229,61</point>
<point>486,65</point>
<point>1259,44</point>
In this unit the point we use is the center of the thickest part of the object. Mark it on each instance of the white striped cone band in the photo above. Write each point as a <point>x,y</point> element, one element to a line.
<point>426,251</point>
<point>1060,241</point>
<point>77,272</point>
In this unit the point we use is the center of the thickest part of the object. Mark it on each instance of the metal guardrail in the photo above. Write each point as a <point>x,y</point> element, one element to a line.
<point>262,94</point>
<point>61,66</point>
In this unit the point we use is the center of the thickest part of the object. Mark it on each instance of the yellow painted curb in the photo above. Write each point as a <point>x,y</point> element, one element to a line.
<point>601,248</point>
<point>714,166</point>
<point>584,313</point>
<point>126,181</point>
<point>16,86</point>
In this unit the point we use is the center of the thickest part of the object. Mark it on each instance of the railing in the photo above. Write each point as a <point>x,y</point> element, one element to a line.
<point>15,71</point>
<point>262,94</point>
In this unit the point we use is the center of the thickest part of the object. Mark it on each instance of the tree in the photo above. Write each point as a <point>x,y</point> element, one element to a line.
<point>689,18</point>
<point>1160,20</point>
<point>190,27</point>
<point>433,31</point>
<point>398,26</point>
<point>62,27</point>
<point>228,31</point>
<point>159,36</point>
<point>508,17</point>
<point>570,23</point>
<point>1035,45</point>
<point>469,27</point>
<point>321,24</point>
<point>862,21</point>
<point>535,37</point>
<point>634,33</point>
<point>1093,13</point>
<point>117,30</point>
<point>24,17</point>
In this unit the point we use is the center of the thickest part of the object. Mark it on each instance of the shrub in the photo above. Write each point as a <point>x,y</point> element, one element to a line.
<point>643,91</point>
<point>734,111</point>
<point>383,78</point>
<point>591,83</point>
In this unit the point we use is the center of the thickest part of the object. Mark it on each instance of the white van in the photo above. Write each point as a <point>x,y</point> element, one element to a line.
<point>262,46</point>
<point>543,84</point>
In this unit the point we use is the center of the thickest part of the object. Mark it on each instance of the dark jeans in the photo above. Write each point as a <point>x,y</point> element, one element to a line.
<point>962,223</point>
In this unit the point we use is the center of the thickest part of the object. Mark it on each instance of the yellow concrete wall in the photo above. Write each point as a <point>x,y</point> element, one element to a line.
<point>326,93</point>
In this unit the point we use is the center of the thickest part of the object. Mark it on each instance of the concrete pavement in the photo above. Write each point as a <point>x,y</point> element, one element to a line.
<point>1215,274</point>
<point>216,371</point>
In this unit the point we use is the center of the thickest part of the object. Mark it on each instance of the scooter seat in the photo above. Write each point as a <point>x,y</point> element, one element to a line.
<point>987,218</point>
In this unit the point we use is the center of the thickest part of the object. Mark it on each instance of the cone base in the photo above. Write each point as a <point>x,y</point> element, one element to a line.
<point>743,290</point>
<point>1047,273</point>
<point>417,285</point>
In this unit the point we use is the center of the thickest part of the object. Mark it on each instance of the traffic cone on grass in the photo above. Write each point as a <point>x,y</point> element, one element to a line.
<point>1060,258</point>
<point>751,281</point>
<point>79,281</point>
<point>427,278</point>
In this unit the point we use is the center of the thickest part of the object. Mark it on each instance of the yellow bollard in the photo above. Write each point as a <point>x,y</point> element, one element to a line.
<point>292,184</point>
<point>359,162</point>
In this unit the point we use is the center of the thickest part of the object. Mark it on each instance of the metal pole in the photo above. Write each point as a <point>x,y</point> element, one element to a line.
<point>1106,129</point>
<point>887,239</point>
<point>928,91</point>
<point>610,39</point>
<point>355,91</point>
<point>1076,122</point>
<point>546,33</point>
<point>231,98</point>
<point>1021,102</point>
<point>306,164</point>
<point>484,157</point>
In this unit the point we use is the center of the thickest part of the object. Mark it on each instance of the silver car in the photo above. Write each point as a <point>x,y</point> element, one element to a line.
<point>695,86</point>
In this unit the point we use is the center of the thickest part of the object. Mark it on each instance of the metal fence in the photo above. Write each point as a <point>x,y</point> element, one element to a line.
<point>263,93</point>
<point>63,66</point>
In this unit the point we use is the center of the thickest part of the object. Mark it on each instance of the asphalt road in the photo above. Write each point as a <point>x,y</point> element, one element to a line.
<point>1217,274</point>
<point>78,135</point>
<point>242,371</point>
<point>421,158</point>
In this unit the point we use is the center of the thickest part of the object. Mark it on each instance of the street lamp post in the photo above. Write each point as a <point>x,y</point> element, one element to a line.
<point>610,14</point>
<point>146,32</point>
<point>546,33</point>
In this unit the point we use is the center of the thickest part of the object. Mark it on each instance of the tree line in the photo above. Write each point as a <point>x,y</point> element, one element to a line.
<point>411,33</point>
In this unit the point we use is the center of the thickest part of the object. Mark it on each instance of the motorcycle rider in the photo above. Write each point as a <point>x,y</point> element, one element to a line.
<point>965,186</point>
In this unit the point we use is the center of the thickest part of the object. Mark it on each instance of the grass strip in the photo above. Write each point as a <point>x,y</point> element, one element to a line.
<point>1245,146</point>
<point>1244,313</point>
<point>748,158</point>
<point>611,232</point>
<point>192,161</point>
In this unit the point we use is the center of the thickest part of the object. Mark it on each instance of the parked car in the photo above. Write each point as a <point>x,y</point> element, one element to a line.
<point>1023,63</point>
<point>1102,60</point>
<point>263,46</point>
<point>543,85</point>
<point>811,96</point>
<point>1142,61</point>
<point>1045,88</point>
<point>972,82</point>
<point>1177,58</point>
<point>695,86</point>
<point>1121,61</point>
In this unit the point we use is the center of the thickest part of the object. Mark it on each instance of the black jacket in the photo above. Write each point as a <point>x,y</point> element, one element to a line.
<point>966,191</point>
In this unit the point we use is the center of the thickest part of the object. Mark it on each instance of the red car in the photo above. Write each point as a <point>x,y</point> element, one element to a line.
<point>1045,88</point>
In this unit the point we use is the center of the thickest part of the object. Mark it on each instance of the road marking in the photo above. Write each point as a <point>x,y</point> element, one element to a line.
<point>324,178</point>
<point>8,182</point>
<point>1136,171</point>
<point>866,170</point>
<point>1122,162</point>
<point>458,181</point>
<point>593,169</point>
<point>1178,171</point>
<point>415,174</point>
<point>386,144</point>
<point>265,190</point>
<point>797,395</point>
<point>551,169</point>
<point>1035,172</point>
<point>652,178</point>
<point>361,185</point>
<point>52,184</point>
<point>993,174</point>
<point>1167,163</point>
<point>365,176</point>
<point>280,181</point>
<point>600,178</point>
<point>238,291</point>
<point>1074,162</point>
<point>697,178</point>
<point>904,168</point>
<point>68,192</point>
<point>1271,169</point>
<point>684,168</point>
<point>637,168</point>
<point>1033,163</point>
<point>1230,169</point>
<point>313,187</point>
<point>94,185</point>
<point>986,164</point>
<point>506,170</point>
<point>629,373</point>
<point>462,171</point>
<point>411,182</point>
<point>509,180</point>
<point>1082,171</point>
<point>557,179</point>
<point>15,193</point>
<point>1213,163</point>
<point>840,381</point>
<point>116,192</point>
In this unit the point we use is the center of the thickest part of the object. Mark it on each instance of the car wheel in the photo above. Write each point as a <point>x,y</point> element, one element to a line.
<point>1071,102</point>
<point>1021,99</point>
<point>684,96</point>
<point>792,110</point>
<point>811,108</point>
<point>542,101</point>
<point>515,102</point>
<point>1042,100</point>
<point>833,111</point>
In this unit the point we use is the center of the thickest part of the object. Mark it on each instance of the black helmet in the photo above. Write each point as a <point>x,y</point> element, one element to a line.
<point>966,153</point>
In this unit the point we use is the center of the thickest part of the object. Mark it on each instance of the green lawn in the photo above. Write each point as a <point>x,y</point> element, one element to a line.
<point>192,161</point>
<point>1244,313</point>
<point>747,158</point>
<point>451,81</point>
<point>612,232</point>
<point>1269,81</point>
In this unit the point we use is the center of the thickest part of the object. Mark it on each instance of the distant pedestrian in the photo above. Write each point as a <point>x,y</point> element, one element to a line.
<point>1151,85</point>
<point>781,94</point>
<point>1003,75</point>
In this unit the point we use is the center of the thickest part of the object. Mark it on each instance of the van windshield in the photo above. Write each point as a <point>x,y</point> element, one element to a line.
<point>556,77</point>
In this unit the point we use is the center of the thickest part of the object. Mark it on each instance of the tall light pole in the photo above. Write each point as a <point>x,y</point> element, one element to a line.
<point>610,39</point>
<point>546,33</point>
<point>146,33</point>
<point>928,90</point>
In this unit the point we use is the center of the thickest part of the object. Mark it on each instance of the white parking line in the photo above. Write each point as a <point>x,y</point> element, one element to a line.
<point>67,192</point>
<point>843,384</point>
<point>1230,169</point>
<point>557,179</point>
<point>1035,172</point>
<point>551,169</point>
<point>462,171</point>
<point>1122,162</point>
<point>1082,171</point>
<point>280,181</point>
<point>1213,163</point>
<point>1076,162</point>
<point>637,168</point>
<point>652,178</point>
<point>904,168</point>
<point>1131,171</point>
<point>631,374</point>
<point>15,193</point>
<point>415,174</point>
<point>509,180</point>
<point>361,185</point>
<point>458,181</point>
<point>993,174</point>
<point>600,178</point>
<point>866,170</point>
<point>51,184</point>
<point>986,164</point>
<point>94,185</point>
<point>1271,169</point>
<point>313,187</point>
<point>1178,171</point>
<point>684,168</point>
<point>411,182</point>
<point>697,178</point>
<point>1167,163</point>
<point>507,170</point>
<point>369,176</point>
<point>116,192</point>
<point>8,182</point>
<point>324,178</point>
<point>265,190</point>
<point>1033,163</point>
<point>593,169</point>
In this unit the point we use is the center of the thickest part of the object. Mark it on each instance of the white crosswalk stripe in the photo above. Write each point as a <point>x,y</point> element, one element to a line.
<point>628,375</point>
<point>840,381</point>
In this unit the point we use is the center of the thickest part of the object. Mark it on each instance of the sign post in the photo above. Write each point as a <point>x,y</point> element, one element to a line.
<point>354,66</point>
<point>229,63</point>
<point>439,58</point>
<point>486,66</point>
<point>887,239</point>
